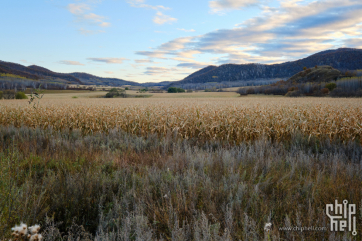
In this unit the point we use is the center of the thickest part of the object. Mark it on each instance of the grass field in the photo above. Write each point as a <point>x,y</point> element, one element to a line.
<point>188,166</point>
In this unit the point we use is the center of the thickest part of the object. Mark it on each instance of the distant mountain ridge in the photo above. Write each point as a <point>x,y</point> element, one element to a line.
<point>342,59</point>
<point>95,80</point>
<point>35,72</point>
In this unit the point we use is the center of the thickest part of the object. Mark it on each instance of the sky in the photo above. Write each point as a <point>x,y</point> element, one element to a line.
<point>166,40</point>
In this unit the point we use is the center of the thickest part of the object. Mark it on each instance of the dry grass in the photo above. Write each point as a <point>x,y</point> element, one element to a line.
<point>230,120</point>
<point>103,181</point>
<point>122,187</point>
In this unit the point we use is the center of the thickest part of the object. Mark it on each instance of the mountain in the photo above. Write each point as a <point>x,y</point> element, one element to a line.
<point>36,72</point>
<point>342,59</point>
<point>95,80</point>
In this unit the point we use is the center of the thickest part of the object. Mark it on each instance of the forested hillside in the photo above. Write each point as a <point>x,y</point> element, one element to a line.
<point>36,73</point>
<point>342,59</point>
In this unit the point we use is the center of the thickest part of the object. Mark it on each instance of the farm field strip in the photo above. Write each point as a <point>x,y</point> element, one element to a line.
<point>232,120</point>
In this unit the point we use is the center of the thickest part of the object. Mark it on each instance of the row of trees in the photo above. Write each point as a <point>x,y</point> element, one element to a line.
<point>12,94</point>
<point>10,83</point>
<point>225,84</point>
<point>346,87</point>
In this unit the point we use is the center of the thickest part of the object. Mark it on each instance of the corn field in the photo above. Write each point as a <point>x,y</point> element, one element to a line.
<point>231,120</point>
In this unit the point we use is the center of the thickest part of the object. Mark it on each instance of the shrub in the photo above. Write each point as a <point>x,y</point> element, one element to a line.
<point>1,95</point>
<point>242,91</point>
<point>20,95</point>
<point>331,86</point>
<point>250,91</point>
<point>175,90</point>
<point>189,91</point>
<point>114,92</point>
<point>9,94</point>
<point>325,91</point>
<point>295,93</point>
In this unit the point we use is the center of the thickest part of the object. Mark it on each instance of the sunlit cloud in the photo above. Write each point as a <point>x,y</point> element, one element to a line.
<point>294,30</point>
<point>140,61</point>
<point>69,62</point>
<point>153,54</point>
<point>108,60</point>
<point>161,18</point>
<point>186,30</point>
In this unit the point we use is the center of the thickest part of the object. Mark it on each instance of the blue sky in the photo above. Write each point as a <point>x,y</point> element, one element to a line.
<point>159,40</point>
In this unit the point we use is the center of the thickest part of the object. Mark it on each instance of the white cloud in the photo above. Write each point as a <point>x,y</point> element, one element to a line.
<point>161,71</point>
<point>108,60</point>
<point>81,14</point>
<point>220,5</point>
<point>140,61</point>
<point>69,62</point>
<point>78,8</point>
<point>153,54</point>
<point>141,4</point>
<point>161,18</point>
<point>108,72</point>
<point>186,30</point>
<point>176,44</point>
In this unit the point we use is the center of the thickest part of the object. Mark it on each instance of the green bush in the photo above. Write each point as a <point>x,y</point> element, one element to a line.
<point>20,95</point>
<point>114,92</point>
<point>175,90</point>
<point>331,86</point>
<point>1,95</point>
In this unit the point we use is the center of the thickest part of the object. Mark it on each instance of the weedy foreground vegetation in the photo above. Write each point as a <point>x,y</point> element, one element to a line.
<point>180,170</point>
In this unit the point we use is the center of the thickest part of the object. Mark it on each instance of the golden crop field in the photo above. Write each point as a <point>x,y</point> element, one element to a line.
<point>228,119</point>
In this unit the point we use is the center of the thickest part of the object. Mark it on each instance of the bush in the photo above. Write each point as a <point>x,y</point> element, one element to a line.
<point>189,91</point>
<point>1,95</point>
<point>114,92</point>
<point>295,93</point>
<point>20,95</point>
<point>242,91</point>
<point>175,90</point>
<point>325,91</point>
<point>250,91</point>
<point>331,86</point>
<point>8,94</point>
